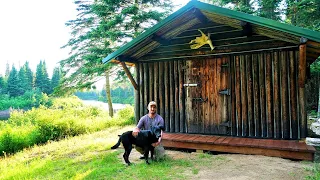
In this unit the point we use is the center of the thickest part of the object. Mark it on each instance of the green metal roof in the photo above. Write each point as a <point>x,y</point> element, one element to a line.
<point>298,31</point>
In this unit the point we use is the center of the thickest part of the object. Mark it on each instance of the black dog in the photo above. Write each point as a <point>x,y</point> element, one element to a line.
<point>144,140</point>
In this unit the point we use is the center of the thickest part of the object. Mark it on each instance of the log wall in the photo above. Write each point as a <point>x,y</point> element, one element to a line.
<point>161,82</point>
<point>265,94</point>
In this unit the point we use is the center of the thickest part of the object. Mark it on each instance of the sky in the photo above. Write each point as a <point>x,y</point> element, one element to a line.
<point>35,30</point>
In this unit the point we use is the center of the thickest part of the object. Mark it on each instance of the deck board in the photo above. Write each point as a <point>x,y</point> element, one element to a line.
<point>292,149</point>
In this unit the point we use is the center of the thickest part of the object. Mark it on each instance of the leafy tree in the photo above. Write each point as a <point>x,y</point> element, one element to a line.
<point>13,81</point>
<point>101,27</point>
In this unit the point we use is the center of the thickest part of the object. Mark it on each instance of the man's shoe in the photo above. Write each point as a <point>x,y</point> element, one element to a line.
<point>141,157</point>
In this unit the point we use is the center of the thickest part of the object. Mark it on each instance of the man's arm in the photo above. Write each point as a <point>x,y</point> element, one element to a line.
<point>135,132</point>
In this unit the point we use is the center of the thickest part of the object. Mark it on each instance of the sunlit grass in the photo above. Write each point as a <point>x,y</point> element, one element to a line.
<point>89,157</point>
<point>86,157</point>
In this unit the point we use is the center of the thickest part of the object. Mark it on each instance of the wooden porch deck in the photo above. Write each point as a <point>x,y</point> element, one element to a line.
<point>291,149</point>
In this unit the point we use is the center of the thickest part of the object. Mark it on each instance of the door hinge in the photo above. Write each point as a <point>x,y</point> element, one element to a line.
<point>225,65</point>
<point>200,99</point>
<point>225,92</point>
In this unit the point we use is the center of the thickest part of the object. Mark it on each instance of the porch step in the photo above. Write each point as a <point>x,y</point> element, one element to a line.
<point>291,149</point>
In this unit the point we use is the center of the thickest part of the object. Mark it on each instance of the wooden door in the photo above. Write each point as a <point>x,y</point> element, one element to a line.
<point>207,91</point>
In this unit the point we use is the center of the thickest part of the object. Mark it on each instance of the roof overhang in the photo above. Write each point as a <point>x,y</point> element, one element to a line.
<point>195,13</point>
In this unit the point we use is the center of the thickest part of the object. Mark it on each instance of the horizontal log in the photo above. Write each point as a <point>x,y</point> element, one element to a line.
<point>228,41</point>
<point>222,51</point>
<point>314,50</point>
<point>206,30</point>
<point>313,44</point>
<point>213,36</point>
<point>218,46</point>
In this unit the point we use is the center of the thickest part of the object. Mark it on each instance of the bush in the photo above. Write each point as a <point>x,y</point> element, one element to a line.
<point>67,117</point>
<point>14,139</point>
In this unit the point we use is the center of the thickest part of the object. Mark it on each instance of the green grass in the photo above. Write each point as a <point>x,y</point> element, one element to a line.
<point>89,157</point>
<point>86,157</point>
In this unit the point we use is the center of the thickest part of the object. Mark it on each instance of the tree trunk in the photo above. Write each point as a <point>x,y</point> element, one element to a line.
<point>108,93</point>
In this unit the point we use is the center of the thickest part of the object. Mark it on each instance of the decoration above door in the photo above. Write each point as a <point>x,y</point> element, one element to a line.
<point>200,41</point>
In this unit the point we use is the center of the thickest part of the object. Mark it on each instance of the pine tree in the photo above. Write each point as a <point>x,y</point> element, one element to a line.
<point>29,76</point>
<point>22,81</point>
<point>46,80</point>
<point>39,77</point>
<point>55,80</point>
<point>304,13</point>
<point>270,9</point>
<point>3,87</point>
<point>7,73</point>
<point>100,28</point>
<point>42,81</point>
<point>13,81</point>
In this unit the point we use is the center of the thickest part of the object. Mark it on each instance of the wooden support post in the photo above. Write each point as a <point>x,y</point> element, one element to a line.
<point>133,82</point>
<point>302,81</point>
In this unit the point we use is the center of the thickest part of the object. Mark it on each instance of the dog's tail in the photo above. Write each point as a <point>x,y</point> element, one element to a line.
<point>118,143</point>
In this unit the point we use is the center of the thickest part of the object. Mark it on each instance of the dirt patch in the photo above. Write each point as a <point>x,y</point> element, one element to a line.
<point>236,166</point>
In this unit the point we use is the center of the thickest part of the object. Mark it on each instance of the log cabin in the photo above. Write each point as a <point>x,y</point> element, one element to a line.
<point>224,81</point>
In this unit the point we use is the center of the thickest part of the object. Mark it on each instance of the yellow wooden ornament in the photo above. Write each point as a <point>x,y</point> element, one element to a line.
<point>200,41</point>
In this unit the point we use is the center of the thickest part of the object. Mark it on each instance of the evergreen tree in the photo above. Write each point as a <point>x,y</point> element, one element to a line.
<point>304,13</point>
<point>22,81</point>
<point>7,73</point>
<point>238,5</point>
<point>39,77</point>
<point>100,28</point>
<point>270,9</point>
<point>55,80</point>
<point>13,81</point>
<point>3,85</point>
<point>42,81</point>
<point>46,80</point>
<point>28,76</point>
